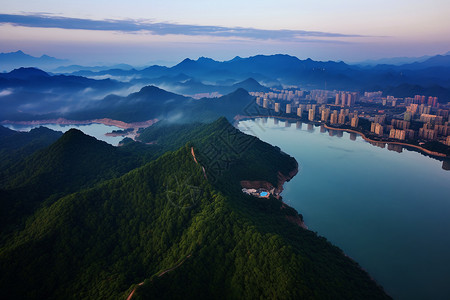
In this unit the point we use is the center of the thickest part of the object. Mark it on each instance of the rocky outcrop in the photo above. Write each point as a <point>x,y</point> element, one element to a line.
<point>276,191</point>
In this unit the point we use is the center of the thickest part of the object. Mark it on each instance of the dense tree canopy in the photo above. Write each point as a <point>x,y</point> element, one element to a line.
<point>154,217</point>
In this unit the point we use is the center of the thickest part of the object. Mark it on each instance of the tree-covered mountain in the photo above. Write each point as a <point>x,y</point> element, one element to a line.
<point>30,93</point>
<point>152,102</point>
<point>15,145</point>
<point>179,225</point>
<point>38,174</point>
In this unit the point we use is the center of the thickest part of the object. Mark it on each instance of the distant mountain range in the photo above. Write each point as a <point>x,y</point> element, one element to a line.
<point>394,60</point>
<point>13,60</point>
<point>137,95</point>
<point>275,70</point>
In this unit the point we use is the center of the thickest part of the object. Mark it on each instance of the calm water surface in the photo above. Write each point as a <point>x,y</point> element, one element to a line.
<point>96,130</point>
<point>389,211</point>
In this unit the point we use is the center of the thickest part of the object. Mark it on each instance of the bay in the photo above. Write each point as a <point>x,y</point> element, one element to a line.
<point>387,210</point>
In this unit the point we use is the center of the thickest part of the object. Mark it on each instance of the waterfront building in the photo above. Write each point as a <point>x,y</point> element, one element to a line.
<point>311,114</point>
<point>410,134</point>
<point>288,108</point>
<point>325,114</point>
<point>277,107</point>
<point>265,103</point>
<point>299,112</point>
<point>427,134</point>
<point>334,117</point>
<point>397,134</point>
<point>378,129</point>
<point>354,122</point>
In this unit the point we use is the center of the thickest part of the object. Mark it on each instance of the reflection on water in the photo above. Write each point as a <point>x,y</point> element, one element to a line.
<point>340,133</point>
<point>446,165</point>
<point>394,147</point>
<point>389,211</point>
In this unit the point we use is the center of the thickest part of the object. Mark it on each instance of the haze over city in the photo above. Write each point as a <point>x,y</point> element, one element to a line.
<point>140,32</point>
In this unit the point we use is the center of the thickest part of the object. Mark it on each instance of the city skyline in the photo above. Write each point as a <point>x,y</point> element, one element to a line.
<point>137,32</point>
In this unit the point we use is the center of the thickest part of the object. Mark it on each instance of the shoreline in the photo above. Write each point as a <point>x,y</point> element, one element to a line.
<point>298,219</point>
<point>276,191</point>
<point>429,152</point>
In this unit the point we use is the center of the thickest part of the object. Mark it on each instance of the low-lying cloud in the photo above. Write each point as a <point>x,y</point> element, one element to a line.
<point>162,28</point>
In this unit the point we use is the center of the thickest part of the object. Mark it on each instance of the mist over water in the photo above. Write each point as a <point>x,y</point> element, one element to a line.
<point>387,210</point>
<point>96,130</point>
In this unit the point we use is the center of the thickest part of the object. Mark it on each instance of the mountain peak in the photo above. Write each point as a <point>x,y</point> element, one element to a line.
<point>25,73</point>
<point>205,59</point>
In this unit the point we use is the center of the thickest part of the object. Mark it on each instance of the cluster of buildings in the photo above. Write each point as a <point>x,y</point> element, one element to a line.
<point>420,122</point>
<point>417,118</point>
<point>260,193</point>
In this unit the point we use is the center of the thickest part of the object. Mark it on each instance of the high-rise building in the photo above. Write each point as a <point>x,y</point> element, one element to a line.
<point>341,119</point>
<point>407,116</point>
<point>334,117</point>
<point>265,103</point>
<point>325,115</point>
<point>288,108</point>
<point>299,112</point>
<point>311,114</point>
<point>277,107</point>
<point>354,122</point>
<point>427,134</point>
<point>378,129</point>
<point>397,134</point>
<point>379,119</point>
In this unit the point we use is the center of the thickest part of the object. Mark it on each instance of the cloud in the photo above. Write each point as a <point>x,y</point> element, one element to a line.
<point>6,92</point>
<point>162,28</point>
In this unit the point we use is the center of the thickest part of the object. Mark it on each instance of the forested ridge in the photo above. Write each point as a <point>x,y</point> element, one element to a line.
<point>154,216</point>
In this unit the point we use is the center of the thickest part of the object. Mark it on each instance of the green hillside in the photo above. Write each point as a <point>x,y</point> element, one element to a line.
<point>75,161</point>
<point>179,232</point>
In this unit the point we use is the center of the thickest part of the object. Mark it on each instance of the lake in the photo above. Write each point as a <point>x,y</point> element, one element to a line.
<point>96,130</point>
<point>389,211</point>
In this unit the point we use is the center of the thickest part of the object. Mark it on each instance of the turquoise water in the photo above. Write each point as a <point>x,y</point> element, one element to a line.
<point>263,194</point>
<point>389,211</point>
<point>96,130</point>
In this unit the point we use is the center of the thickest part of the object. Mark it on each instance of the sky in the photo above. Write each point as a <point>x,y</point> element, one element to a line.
<point>142,31</point>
